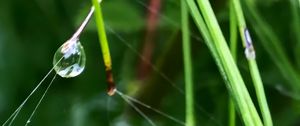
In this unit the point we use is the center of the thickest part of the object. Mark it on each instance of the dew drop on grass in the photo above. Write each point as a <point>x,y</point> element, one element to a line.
<point>250,53</point>
<point>249,50</point>
<point>69,59</point>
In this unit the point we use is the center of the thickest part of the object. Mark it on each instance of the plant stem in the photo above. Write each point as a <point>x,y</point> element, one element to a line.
<point>260,93</point>
<point>247,43</point>
<point>189,97</point>
<point>233,49</point>
<point>104,47</point>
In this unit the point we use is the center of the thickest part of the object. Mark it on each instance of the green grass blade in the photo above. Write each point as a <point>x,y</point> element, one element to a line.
<point>231,70</point>
<point>233,50</point>
<point>215,41</point>
<point>260,93</point>
<point>186,45</point>
<point>247,43</point>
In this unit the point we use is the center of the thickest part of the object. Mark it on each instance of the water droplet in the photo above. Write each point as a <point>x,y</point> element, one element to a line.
<point>247,37</point>
<point>249,50</point>
<point>69,59</point>
<point>250,53</point>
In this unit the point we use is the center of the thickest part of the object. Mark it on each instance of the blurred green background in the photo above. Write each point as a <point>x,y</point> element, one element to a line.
<point>32,30</point>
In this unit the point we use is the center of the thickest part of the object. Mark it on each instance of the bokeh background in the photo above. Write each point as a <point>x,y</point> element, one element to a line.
<point>32,30</point>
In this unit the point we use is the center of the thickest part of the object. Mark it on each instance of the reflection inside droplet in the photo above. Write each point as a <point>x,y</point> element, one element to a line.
<point>69,59</point>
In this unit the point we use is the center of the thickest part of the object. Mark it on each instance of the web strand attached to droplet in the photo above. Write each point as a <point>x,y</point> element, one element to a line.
<point>41,99</point>
<point>14,115</point>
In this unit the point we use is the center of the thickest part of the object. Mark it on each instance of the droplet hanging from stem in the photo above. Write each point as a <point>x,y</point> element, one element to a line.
<point>73,59</point>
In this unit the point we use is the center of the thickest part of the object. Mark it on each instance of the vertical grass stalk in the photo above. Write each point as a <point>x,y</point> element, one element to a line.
<point>186,44</point>
<point>233,50</point>
<point>104,47</point>
<point>247,43</point>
